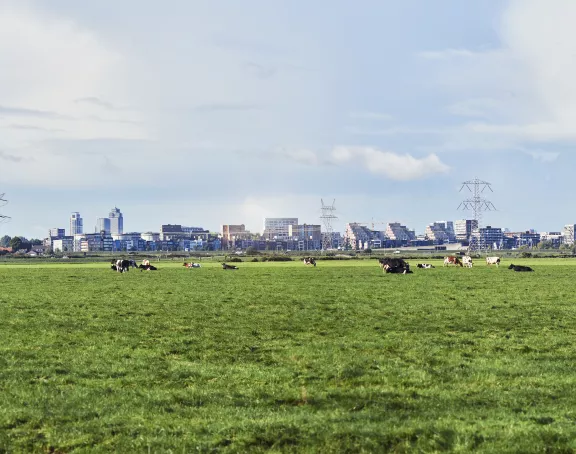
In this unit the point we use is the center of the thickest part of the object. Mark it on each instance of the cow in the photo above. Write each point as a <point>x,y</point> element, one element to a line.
<point>393,265</point>
<point>191,265</point>
<point>452,260</point>
<point>493,261</point>
<point>467,261</point>
<point>425,265</point>
<point>309,261</point>
<point>519,268</point>
<point>225,266</point>
<point>147,268</point>
<point>120,265</point>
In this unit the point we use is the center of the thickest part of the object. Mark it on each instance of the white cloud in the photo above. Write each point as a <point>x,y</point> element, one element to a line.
<point>371,116</point>
<point>544,156</point>
<point>47,63</point>
<point>391,165</point>
<point>523,91</point>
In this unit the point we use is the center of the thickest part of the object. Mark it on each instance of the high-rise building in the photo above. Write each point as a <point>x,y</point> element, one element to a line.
<point>397,232</point>
<point>568,233</point>
<point>277,228</point>
<point>55,232</point>
<point>76,225</point>
<point>103,225</point>
<point>116,221</point>
<point>463,228</point>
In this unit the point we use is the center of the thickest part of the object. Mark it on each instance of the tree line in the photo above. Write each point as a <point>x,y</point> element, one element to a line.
<point>19,242</point>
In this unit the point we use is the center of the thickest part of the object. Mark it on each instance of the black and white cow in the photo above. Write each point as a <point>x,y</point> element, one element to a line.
<point>425,265</point>
<point>121,265</point>
<point>147,268</point>
<point>309,261</point>
<point>225,266</point>
<point>394,265</point>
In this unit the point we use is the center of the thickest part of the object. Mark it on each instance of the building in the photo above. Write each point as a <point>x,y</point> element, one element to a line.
<point>231,234</point>
<point>398,233</point>
<point>277,228</point>
<point>441,232</point>
<point>568,233</point>
<point>76,224</point>
<point>116,221</point>
<point>488,237</point>
<point>56,233</point>
<point>306,236</point>
<point>358,236</point>
<point>103,225</point>
<point>64,244</point>
<point>463,229</point>
<point>150,236</point>
<point>556,239</point>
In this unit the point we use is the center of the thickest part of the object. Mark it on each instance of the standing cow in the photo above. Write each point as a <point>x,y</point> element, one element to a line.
<point>309,261</point>
<point>467,261</point>
<point>452,260</point>
<point>493,261</point>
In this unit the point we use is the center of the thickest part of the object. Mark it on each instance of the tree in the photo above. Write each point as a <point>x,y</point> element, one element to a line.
<point>35,242</point>
<point>251,250</point>
<point>5,241</point>
<point>16,243</point>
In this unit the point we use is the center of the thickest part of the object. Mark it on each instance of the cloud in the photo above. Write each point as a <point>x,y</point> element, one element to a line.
<point>544,156</point>
<point>58,62</point>
<point>447,54</point>
<point>92,100</point>
<point>391,165</point>
<point>371,116</point>
<point>23,112</point>
<point>226,107</point>
<point>523,91</point>
<point>8,157</point>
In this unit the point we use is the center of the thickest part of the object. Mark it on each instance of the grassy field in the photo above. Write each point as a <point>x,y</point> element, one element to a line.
<point>287,358</point>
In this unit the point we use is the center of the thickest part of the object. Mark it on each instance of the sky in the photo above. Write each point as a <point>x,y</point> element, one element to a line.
<point>218,112</point>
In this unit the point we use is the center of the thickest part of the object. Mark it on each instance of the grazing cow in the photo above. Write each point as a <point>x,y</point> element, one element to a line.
<point>493,261</point>
<point>519,268</point>
<point>146,262</point>
<point>452,260</point>
<point>467,261</point>
<point>147,268</point>
<point>191,265</point>
<point>225,266</point>
<point>425,265</point>
<point>309,261</point>
<point>393,265</point>
<point>121,265</point>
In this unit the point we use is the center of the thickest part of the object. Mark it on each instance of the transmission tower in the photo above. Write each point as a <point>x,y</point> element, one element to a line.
<point>478,205</point>
<point>3,202</point>
<point>328,217</point>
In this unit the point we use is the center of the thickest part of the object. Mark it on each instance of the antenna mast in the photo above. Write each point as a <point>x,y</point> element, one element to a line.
<point>328,217</point>
<point>477,204</point>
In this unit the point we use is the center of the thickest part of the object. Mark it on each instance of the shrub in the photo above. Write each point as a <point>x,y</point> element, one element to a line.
<point>235,260</point>
<point>526,255</point>
<point>277,258</point>
<point>254,259</point>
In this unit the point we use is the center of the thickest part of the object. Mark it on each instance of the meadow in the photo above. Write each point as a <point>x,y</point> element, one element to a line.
<point>279,357</point>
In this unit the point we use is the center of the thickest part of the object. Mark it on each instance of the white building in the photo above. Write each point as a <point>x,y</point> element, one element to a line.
<point>76,224</point>
<point>568,234</point>
<point>64,244</point>
<point>278,228</point>
<point>103,225</point>
<point>116,221</point>
<point>397,232</point>
<point>463,228</point>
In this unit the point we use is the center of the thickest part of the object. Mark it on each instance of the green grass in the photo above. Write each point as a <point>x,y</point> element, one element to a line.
<point>287,358</point>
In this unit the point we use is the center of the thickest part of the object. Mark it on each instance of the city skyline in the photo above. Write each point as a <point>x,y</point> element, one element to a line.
<point>257,109</point>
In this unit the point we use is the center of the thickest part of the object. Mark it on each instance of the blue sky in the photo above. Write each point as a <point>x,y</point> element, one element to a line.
<point>211,112</point>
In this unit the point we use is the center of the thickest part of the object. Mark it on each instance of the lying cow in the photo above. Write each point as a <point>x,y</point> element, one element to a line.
<point>191,265</point>
<point>493,261</point>
<point>452,260</point>
<point>393,265</point>
<point>467,261</point>
<point>309,261</point>
<point>425,265</point>
<point>147,268</point>
<point>225,266</point>
<point>519,268</point>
